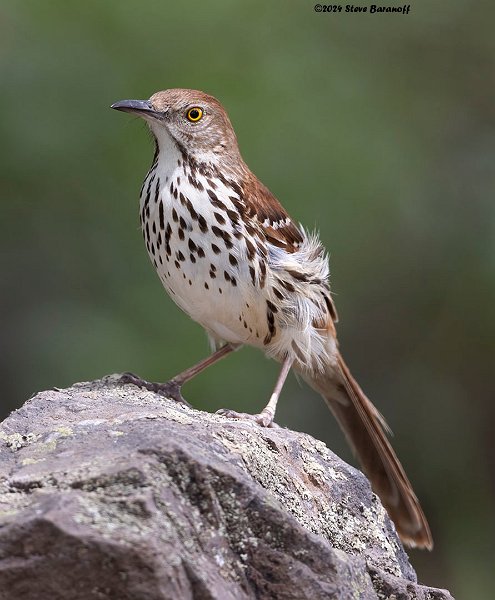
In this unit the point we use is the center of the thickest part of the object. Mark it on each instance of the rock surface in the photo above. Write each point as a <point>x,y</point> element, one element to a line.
<point>112,492</point>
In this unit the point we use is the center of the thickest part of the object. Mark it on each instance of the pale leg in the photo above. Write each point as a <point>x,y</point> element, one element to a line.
<point>172,388</point>
<point>266,416</point>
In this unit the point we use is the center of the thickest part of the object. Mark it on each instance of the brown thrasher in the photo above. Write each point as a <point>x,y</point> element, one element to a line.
<point>232,259</point>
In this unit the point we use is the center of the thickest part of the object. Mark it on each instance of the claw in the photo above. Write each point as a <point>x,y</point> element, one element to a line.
<point>170,389</point>
<point>264,419</point>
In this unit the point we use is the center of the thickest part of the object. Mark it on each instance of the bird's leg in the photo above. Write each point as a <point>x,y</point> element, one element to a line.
<point>266,416</point>
<point>172,388</point>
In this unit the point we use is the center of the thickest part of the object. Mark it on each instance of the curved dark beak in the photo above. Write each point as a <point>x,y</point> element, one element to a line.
<point>139,107</point>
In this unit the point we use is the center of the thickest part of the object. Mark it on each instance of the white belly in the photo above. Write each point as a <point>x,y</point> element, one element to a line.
<point>205,274</point>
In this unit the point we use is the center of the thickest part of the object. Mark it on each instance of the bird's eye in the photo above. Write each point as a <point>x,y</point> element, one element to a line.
<point>194,114</point>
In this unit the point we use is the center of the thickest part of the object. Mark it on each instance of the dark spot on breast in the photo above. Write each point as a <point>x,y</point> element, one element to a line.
<point>224,235</point>
<point>251,250</point>
<point>215,249</point>
<point>233,216</point>
<point>271,306</point>
<point>221,176</point>
<point>192,245</point>
<point>200,252</point>
<point>192,257</point>
<point>214,200</point>
<point>175,216</point>
<point>236,187</point>
<point>202,224</point>
<point>232,260</point>
<point>148,190</point>
<point>181,234</point>
<point>278,293</point>
<point>271,327</point>
<point>220,218</point>
<point>161,215</point>
<point>263,273</point>
<point>239,204</point>
<point>212,195</point>
<point>297,275</point>
<point>288,286</point>
<point>157,189</point>
<point>192,212</point>
<point>252,272</point>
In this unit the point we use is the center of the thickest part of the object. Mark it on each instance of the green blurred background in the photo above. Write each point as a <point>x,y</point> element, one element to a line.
<point>376,129</point>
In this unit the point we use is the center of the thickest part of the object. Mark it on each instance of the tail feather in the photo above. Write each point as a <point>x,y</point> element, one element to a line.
<point>365,430</point>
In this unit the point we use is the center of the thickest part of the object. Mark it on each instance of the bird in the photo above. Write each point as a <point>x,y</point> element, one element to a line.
<point>230,256</point>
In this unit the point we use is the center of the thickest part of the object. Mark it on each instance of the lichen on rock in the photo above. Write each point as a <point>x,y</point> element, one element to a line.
<point>110,491</point>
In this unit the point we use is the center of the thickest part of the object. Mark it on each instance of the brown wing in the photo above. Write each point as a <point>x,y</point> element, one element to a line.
<point>278,229</point>
<point>261,205</point>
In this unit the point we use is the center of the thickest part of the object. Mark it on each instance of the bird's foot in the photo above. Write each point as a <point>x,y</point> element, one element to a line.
<point>170,389</point>
<point>264,418</point>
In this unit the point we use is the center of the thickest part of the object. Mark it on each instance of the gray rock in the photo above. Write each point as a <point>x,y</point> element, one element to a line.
<point>112,492</point>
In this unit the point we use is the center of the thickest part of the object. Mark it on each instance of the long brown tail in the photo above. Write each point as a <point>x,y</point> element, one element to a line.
<point>365,430</point>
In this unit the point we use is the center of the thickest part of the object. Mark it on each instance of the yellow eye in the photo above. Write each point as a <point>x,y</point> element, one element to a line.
<point>194,114</point>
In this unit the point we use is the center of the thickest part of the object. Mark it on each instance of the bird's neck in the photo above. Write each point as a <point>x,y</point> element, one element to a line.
<point>171,155</point>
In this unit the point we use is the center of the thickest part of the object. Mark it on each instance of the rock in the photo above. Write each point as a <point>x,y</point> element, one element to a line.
<point>111,492</point>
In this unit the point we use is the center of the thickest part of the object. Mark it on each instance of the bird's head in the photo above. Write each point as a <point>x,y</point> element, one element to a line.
<point>195,121</point>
